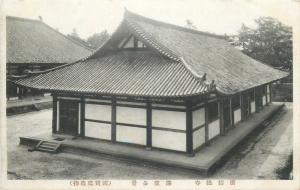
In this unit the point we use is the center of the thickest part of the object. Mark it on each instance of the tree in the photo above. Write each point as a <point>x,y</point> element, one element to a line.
<point>271,42</point>
<point>190,25</point>
<point>74,36</point>
<point>97,39</point>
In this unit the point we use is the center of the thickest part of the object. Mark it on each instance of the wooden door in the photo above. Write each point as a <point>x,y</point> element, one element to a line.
<point>68,117</point>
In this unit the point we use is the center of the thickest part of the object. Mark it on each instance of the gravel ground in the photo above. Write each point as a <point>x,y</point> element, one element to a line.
<point>247,162</point>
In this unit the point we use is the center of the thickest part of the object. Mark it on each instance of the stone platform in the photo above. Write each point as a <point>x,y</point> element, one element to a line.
<point>205,160</point>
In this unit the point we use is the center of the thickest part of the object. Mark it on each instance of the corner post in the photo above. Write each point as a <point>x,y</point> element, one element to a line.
<point>82,112</point>
<point>206,121</point>
<point>54,114</point>
<point>149,125</point>
<point>189,131</point>
<point>113,119</point>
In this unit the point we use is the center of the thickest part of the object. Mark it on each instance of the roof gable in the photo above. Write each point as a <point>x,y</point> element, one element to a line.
<point>207,56</point>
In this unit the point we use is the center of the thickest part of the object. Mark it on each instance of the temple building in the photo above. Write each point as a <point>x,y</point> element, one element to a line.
<point>32,45</point>
<point>156,85</point>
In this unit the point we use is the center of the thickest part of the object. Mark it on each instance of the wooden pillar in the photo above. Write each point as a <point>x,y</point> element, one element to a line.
<point>149,125</point>
<point>255,101</point>
<point>206,122</point>
<point>113,119</point>
<point>242,107</point>
<point>54,114</point>
<point>221,111</point>
<point>189,131</point>
<point>231,113</point>
<point>82,112</point>
<point>270,89</point>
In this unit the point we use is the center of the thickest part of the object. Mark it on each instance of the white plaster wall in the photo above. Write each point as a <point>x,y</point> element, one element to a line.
<point>98,130</point>
<point>213,129</point>
<point>253,107</point>
<point>237,115</point>
<point>198,117</point>
<point>131,134</point>
<point>199,137</point>
<point>169,119</point>
<point>269,98</point>
<point>264,100</point>
<point>131,115</point>
<point>169,140</point>
<point>98,112</point>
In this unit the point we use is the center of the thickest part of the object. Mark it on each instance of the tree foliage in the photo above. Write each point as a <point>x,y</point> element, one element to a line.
<point>271,42</point>
<point>97,39</point>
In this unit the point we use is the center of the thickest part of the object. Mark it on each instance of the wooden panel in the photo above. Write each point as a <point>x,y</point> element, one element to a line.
<point>199,137</point>
<point>214,129</point>
<point>198,117</point>
<point>237,115</point>
<point>264,100</point>
<point>98,112</point>
<point>132,135</point>
<point>252,107</point>
<point>169,140</point>
<point>98,130</point>
<point>130,115</point>
<point>169,119</point>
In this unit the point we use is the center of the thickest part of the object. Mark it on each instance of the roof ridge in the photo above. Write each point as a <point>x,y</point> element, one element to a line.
<point>65,36</point>
<point>41,22</point>
<point>129,14</point>
<point>23,19</point>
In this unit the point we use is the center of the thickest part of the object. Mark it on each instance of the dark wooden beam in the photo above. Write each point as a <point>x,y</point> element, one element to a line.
<point>54,114</point>
<point>206,121</point>
<point>113,120</point>
<point>189,131</point>
<point>221,111</point>
<point>149,125</point>
<point>82,116</point>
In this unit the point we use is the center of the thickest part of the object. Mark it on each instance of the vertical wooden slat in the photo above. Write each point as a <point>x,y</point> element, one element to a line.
<point>54,114</point>
<point>221,111</point>
<point>82,117</point>
<point>189,131</point>
<point>149,125</point>
<point>206,121</point>
<point>113,120</point>
<point>270,89</point>
<point>242,106</point>
<point>231,113</point>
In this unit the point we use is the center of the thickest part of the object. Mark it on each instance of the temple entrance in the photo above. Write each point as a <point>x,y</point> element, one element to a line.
<point>226,114</point>
<point>68,117</point>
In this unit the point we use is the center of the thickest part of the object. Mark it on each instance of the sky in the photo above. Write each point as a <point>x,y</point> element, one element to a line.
<point>93,16</point>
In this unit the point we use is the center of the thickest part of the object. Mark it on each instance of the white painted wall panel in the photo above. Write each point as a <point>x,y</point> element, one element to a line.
<point>253,107</point>
<point>131,134</point>
<point>199,137</point>
<point>169,119</point>
<point>264,100</point>
<point>98,112</point>
<point>98,130</point>
<point>131,115</point>
<point>237,115</point>
<point>198,117</point>
<point>213,129</point>
<point>169,140</point>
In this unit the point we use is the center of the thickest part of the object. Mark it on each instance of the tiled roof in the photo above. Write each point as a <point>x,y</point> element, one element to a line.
<point>203,53</point>
<point>129,73</point>
<point>183,62</point>
<point>32,41</point>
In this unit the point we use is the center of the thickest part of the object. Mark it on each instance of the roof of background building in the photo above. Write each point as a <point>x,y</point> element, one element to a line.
<point>33,41</point>
<point>211,62</point>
